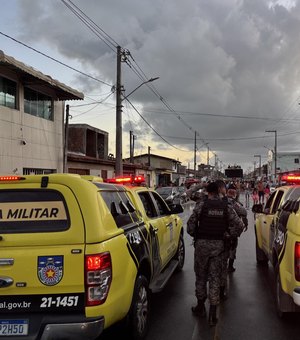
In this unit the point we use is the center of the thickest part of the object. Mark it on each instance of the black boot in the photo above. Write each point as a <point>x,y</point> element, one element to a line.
<point>212,317</point>
<point>199,309</point>
<point>230,268</point>
<point>223,295</point>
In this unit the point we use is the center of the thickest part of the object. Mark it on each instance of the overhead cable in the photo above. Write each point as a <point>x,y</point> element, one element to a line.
<point>57,61</point>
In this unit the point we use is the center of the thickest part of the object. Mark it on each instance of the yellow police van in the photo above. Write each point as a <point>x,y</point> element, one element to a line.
<point>277,231</point>
<point>77,255</point>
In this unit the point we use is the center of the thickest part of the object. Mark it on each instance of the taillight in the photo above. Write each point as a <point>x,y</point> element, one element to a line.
<point>98,275</point>
<point>297,261</point>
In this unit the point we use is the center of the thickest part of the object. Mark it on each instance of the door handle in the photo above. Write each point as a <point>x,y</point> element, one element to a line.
<point>265,222</point>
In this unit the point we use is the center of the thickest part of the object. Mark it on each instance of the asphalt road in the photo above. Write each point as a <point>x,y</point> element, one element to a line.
<point>249,313</point>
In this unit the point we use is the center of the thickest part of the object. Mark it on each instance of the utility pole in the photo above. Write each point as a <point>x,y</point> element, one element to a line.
<point>259,156</point>
<point>130,145</point>
<point>275,154</point>
<point>66,139</point>
<point>195,153</point>
<point>119,156</point>
<point>216,163</point>
<point>149,150</point>
<point>207,154</point>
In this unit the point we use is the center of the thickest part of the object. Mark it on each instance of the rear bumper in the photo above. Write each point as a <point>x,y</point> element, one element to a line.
<point>58,327</point>
<point>296,296</point>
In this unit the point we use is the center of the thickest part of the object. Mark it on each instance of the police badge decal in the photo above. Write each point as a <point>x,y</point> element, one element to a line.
<point>50,269</point>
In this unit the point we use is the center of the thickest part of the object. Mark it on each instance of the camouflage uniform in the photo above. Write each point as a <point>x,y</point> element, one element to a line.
<point>230,253</point>
<point>196,193</point>
<point>209,254</point>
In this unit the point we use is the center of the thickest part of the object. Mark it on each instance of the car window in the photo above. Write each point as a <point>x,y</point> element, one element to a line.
<point>148,204</point>
<point>117,203</point>
<point>125,198</point>
<point>270,201</point>
<point>161,204</point>
<point>277,201</point>
<point>294,195</point>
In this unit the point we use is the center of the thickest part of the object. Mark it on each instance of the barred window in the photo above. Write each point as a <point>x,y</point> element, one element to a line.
<point>37,104</point>
<point>8,93</point>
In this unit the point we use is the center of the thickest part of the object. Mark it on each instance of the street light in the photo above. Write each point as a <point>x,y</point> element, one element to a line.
<point>275,153</point>
<point>119,100</point>
<point>259,156</point>
<point>145,82</point>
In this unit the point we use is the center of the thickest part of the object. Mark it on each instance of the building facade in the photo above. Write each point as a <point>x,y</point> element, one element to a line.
<point>287,161</point>
<point>31,119</point>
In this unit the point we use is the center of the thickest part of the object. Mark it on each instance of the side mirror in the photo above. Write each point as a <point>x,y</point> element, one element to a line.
<point>257,208</point>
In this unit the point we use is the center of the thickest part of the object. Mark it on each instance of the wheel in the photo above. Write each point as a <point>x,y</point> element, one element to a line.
<point>180,254</point>
<point>139,311</point>
<point>261,257</point>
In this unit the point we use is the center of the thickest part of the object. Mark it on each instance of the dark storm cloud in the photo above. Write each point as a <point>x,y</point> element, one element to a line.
<point>228,57</point>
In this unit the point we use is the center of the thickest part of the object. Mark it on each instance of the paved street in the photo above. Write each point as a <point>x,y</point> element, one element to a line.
<point>249,313</point>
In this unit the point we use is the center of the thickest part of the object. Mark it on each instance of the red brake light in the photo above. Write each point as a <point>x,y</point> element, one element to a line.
<point>98,276</point>
<point>297,261</point>
<point>97,262</point>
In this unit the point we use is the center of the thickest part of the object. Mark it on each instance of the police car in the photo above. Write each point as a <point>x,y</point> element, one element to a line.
<point>77,255</point>
<point>277,231</point>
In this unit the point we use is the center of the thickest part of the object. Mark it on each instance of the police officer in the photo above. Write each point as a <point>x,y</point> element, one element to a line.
<point>209,221</point>
<point>197,192</point>
<point>230,248</point>
<point>242,213</point>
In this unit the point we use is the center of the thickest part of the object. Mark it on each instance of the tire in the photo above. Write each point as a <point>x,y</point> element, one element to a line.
<point>261,257</point>
<point>138,321</point>
<point>180,254</point>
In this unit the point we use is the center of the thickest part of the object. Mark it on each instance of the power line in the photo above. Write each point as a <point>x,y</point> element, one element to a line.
<point>99,32</point>
<point>94,101</point>
<point>96,105</point>
<point>232,139</point>
<point>218,115</point>
<point>56,60</point>
<point>137,111</point>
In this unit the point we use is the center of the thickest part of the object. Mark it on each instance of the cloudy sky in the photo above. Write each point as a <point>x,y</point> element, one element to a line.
<point>228,70</point>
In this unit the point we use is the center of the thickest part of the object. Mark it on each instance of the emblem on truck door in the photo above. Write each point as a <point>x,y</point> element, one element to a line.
<point>50,269</point>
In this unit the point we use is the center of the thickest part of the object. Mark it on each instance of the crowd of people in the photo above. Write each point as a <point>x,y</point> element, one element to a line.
<point>216,223</point>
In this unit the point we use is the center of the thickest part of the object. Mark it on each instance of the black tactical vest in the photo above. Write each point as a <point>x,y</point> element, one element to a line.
<point>213,220</point>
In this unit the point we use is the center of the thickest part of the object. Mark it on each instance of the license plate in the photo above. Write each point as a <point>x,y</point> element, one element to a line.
<point>13,327</point>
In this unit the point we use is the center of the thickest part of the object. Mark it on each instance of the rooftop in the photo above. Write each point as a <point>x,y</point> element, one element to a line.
<point>30,75</point>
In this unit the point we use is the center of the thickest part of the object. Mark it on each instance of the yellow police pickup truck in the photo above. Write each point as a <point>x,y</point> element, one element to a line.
<point>277,231</point>
<point>78,255</point>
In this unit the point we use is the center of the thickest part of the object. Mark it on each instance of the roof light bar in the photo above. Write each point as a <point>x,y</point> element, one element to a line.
<point>135,180</point>
<point>10,178</point>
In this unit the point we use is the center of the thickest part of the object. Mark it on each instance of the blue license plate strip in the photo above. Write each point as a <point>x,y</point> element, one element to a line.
<point>13,327</point>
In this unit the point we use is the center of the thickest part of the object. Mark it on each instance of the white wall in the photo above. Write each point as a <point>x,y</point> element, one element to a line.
<point>44,140</point>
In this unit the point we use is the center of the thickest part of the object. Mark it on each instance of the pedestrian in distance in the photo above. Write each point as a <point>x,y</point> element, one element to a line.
<point>261,192</point>
<point>255,196</point>
<point>267,191</point>
<point>211,219</point>
<point>247,191</point>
